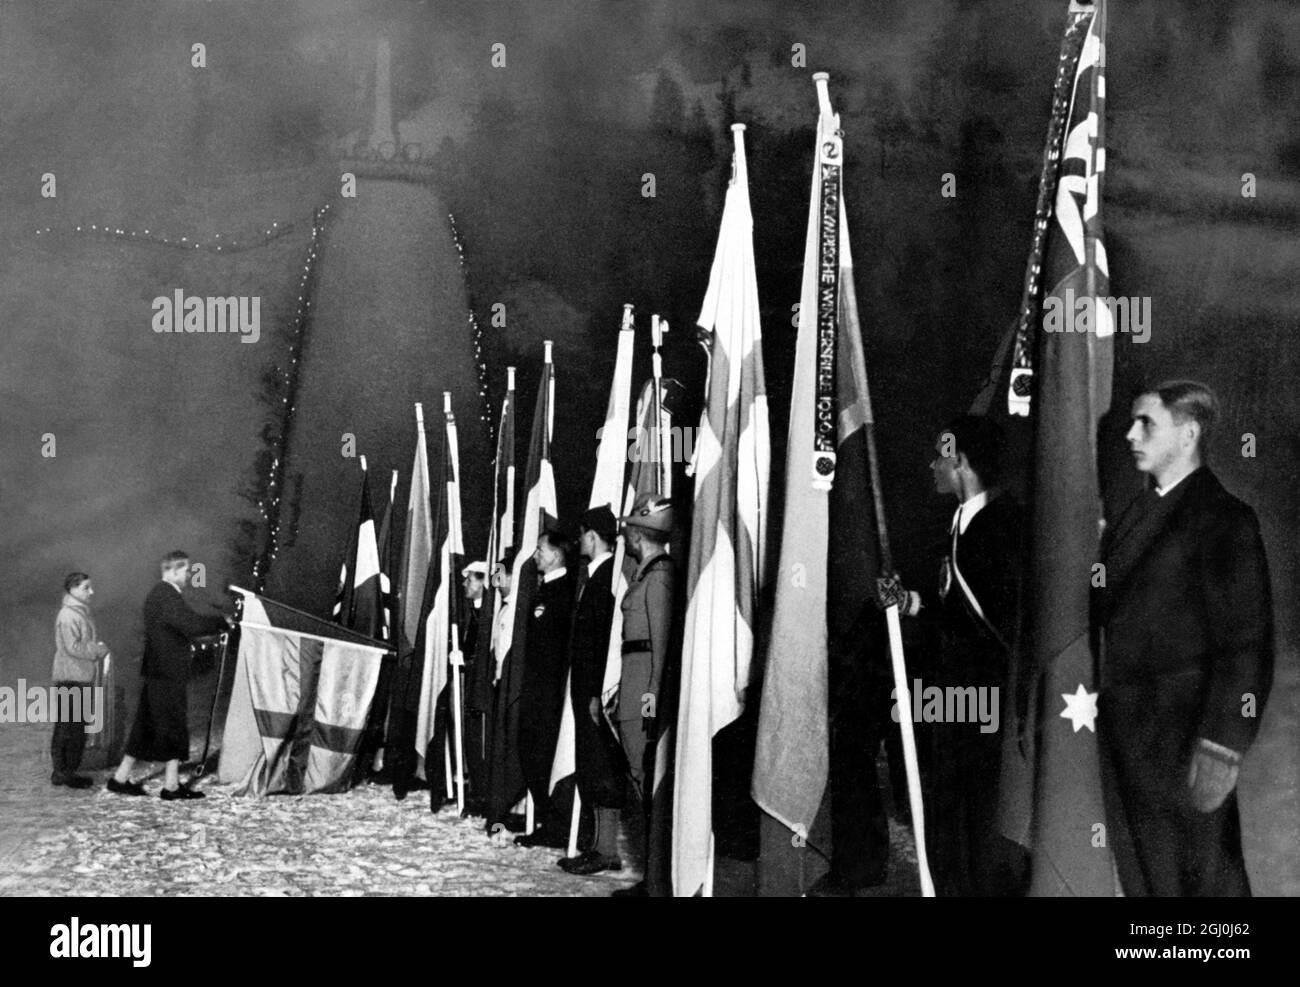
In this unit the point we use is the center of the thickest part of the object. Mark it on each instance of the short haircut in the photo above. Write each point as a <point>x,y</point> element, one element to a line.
<point>558,542</point>
<point>74,579</point>
<point>980,439</point>
<point>1189,399</point>
<point>173,560</point>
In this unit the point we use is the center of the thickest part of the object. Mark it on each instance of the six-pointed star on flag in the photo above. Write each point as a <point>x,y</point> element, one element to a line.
<point>1081,709</point>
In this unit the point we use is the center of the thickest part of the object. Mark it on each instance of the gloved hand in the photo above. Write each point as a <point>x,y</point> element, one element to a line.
<point>890,592</point>
<point>1211,777</point>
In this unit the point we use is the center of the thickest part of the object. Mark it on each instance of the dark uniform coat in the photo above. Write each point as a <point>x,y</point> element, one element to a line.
<point>1187,634</point>
<point>161,731</point>
<point>975,648</point>
<point>477,700</point>
<point>600,769</point>
<point>545,670</point>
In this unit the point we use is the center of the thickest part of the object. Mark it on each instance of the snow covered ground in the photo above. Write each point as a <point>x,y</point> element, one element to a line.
<point>57,842</point>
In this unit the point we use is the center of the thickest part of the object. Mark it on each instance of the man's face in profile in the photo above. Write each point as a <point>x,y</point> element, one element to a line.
<point>1154,438</point>
<point>944,464</point>
<point>473,586</point>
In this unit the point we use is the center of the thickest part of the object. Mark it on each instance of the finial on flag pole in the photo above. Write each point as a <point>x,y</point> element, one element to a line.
<point>738,154</point>
<point>627,316</point>
<point>419,416</point>
<point>510,378</point>
<point>823,93</point>
<point>546,351</point>
<point>392,488</point>
<point>446,402</point>
<point>363,464</point>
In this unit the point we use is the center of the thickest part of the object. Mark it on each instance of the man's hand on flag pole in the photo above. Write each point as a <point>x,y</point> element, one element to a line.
<point>890,592</point>
<point>457,659</point>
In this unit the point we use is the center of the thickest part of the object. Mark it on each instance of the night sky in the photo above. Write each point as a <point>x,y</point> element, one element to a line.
<point>542,162</point>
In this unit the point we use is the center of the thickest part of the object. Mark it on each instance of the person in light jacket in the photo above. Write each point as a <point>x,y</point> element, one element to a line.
<point>77,653</point>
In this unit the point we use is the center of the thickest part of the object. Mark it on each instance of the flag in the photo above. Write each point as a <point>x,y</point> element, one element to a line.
<point>1072,392</point>
<point>647,474</point>
<point>417,551</point>
<point>479,684</point>
<point>359,605</point>
<point>388,601</point>
<point>825,609</point>
<point>377,727</point>
<point>417,542</point>
<point>303,688</point>
<point>441,610</point>
<point>725,572</point>
<point>611,464</point>
<point>501,530</point>
<point>506,778</point>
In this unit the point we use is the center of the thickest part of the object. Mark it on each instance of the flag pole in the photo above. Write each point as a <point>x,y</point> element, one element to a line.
<point>457,659</point>
<point>662,473</point>
<point>212,713</point>
<point>903,693</point>
<point>892,619</point>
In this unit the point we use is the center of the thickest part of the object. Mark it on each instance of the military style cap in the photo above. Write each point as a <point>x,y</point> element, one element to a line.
<point>652,511</point>
<point>601,520</point>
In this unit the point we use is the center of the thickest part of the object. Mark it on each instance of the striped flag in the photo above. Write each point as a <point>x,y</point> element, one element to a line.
<point>506,777</point>
<point>417,552</point>
<point>833,542</point>
<point>359,605</point>
<point>611,465</point>
<point>302,692</point>
<point>442,608</point>
<point>792,754</point>
<point>417,541</point>
<point>725,573</point>
<point>1072,392</point>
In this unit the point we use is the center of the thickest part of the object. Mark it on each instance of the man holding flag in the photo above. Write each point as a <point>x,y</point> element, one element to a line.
<point>821,720</point>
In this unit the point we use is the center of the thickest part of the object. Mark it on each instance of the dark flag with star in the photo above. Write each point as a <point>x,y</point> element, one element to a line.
<point>1071,391</point>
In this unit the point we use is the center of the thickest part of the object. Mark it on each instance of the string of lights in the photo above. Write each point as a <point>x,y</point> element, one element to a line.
<point>283,379</point>
<point>485,412</point>
<point>217,243</point>
<point>285,383</point>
